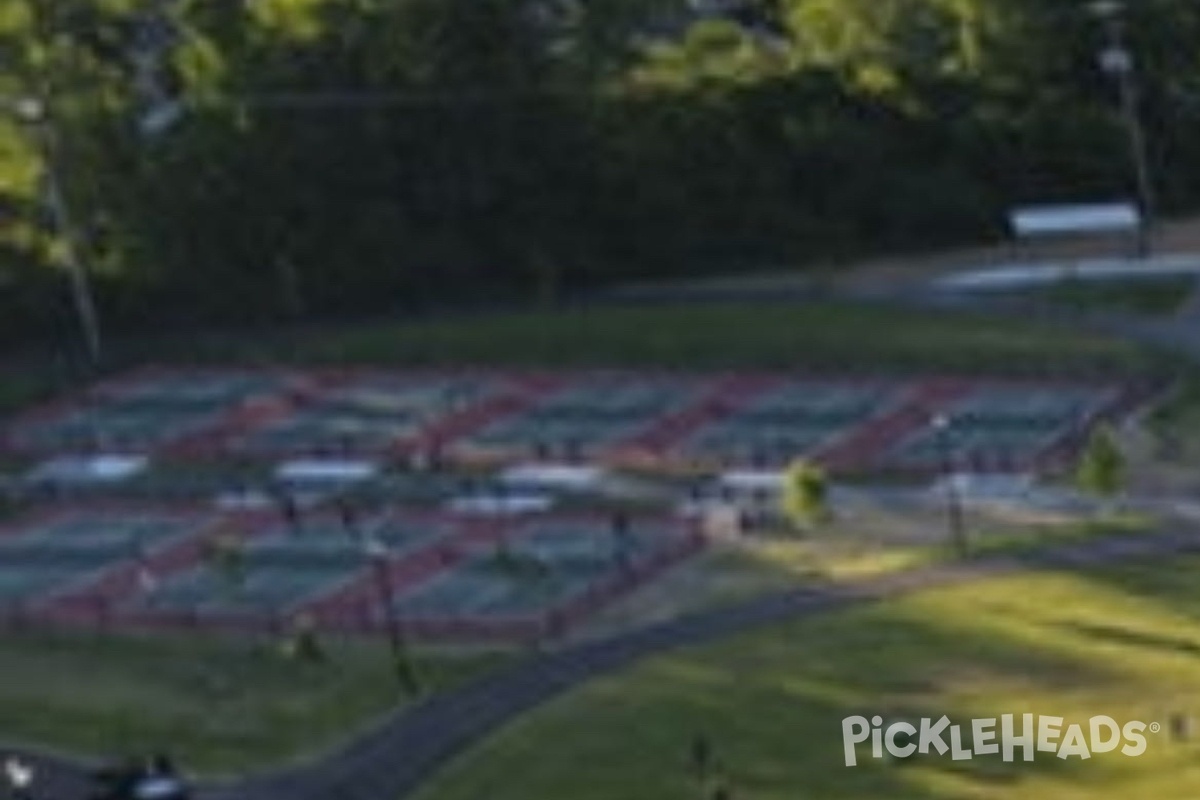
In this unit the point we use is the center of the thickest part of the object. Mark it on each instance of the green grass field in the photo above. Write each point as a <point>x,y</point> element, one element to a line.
<point>819,335</point>
<point>1146,296</point>
<point>1121,642</point>
<point>220,705</point>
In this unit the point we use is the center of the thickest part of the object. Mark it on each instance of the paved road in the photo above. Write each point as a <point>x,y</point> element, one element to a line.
<point>390,761</point>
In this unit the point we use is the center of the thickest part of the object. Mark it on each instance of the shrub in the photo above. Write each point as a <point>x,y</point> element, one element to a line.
<point>1101,468</point>
<point>805,494</point>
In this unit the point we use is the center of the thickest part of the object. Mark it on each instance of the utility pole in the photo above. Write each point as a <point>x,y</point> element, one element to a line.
<point>77,272</point>
<point>34,113</point>
<point>1117,61</point>
<point>37,111</point>
<point>377,554</point>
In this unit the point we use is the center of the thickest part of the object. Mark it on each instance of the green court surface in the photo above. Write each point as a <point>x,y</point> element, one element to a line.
<point>367,413</point>
<point>536,570</point>
<point>589,414</point>
<point>209,390</point>
<point>1011,422</point>
<point>790,420</point>
<point>264,589</point>
<point>330,429</point>
<point>1032,402</point>
<point>27,582</point>
<point>38,559</point>
<point>282,571</point>
<point>115,424</point>
<point>399,394</point>
<point>145,411</point>
<point>688,418</point>
<point>481,588</point>
<point>996,439</point>
<point>563,542</point>
<point>327,541</point>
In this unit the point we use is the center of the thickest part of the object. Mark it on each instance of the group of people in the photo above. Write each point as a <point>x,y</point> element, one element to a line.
<point>155,778</point>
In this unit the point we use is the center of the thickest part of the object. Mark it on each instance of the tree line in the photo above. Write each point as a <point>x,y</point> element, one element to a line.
<point>340,157</point>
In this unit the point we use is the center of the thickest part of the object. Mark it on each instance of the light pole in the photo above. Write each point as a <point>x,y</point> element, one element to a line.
<point>954,510</point>
<point>377,553</point>
<point>33,112</point>
<point>1117,61</point>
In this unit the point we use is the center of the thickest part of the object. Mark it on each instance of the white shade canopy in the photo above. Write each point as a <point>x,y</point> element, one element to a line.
<point>326,471</point>
<point>1078,218</point>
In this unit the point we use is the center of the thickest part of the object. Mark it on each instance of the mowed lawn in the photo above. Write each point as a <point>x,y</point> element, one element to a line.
<point>1122,642</point>
<point>1151,296</point>
<point>823,335</point>
<point>219,705</point>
